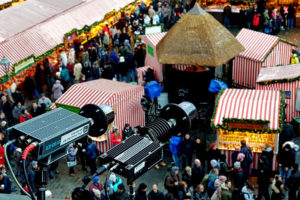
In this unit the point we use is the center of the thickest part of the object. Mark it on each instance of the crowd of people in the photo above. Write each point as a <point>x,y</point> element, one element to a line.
<point>116,54</point>
<point>258,17</point>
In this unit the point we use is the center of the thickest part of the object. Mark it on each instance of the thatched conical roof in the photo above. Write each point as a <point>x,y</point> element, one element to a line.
<point>198,39</point>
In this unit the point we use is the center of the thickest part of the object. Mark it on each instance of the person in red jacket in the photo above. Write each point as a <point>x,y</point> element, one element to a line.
<point>116,137</point>
<point>25,116</point>
<point>2,156</point>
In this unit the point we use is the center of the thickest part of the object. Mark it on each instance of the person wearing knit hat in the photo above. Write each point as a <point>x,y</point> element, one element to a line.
<point>187,176</point>
<point>34,164</point>
<point>214,164</point>
<point>240,157</point>
<point>95,186</point>
<point>238,179</point>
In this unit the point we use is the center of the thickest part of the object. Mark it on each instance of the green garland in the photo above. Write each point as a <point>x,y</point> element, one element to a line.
<point>215,108</point>
<point>279,81</point>
<point>86,28</point>
<point>281,117</point>
<point>228,120</point>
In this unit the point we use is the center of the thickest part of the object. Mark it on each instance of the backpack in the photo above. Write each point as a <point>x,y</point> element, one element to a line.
<point>204,181</point>
<point>256,20</point>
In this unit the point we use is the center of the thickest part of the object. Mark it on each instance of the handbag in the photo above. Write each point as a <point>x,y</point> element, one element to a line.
<point>72,163</point>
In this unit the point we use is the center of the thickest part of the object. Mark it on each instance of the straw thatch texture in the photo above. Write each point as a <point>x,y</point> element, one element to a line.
<point>198,39</point>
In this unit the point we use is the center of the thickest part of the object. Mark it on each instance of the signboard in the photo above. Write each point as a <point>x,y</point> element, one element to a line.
<point>150,50</point>
<point>153,29</point>
<point>298,99</point>
<point>23,65</point>
<point>247,125</point>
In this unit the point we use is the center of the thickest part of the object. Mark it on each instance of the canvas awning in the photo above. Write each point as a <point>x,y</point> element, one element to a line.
<point>242,104</point>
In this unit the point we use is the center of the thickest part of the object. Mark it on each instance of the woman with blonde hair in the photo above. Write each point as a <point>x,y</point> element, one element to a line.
<point>115,137</point>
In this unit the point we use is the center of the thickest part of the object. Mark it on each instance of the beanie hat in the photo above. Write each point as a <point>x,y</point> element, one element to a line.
<point>113,177</point>
<point>96,192</point>
<point>96,179</point>
<point>33,163</point>
<point>142,186</point>
<point>241,156</point>
<point>174,168</point>
<point>213,163</point>
<point>222,178</point>
<point>237,165</point>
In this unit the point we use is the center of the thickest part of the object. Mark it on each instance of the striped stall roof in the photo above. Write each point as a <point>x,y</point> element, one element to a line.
<point>249,105</point>
<point>154,38</point>
<point>181,67</point>
<point>257,45</point>
<point>124,98</point>
<point>278,73</point>
<point>35,27</point>
<point>141,71</point>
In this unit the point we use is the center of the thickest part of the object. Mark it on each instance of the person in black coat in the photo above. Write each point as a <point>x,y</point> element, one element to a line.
<point>18,96</point>
<point>108,72</point>
<point>286,159</point>
<point>186,150</point>
<point>141,192</point>
<point>200,149</point>
<point>238,180</point>
<point>127,131</point>
<point>264,177</point>
<point>5,184</point>
<point>294,182</point>
<point>187,176</point>
<point>123,68</point>
<point>7,109</point>
<point>197,173</point>
<point>268,153</point>
<point>213,153</point>
<point>155,194</point>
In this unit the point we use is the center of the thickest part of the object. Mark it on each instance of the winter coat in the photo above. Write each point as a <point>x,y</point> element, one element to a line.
<point>24,117</point>
<point>211,184</point>
<point>286,158</point>
<point>97,186</point>
<point>213,154</point>
<point>57,90</point>
<point>115,140</point>
<point>197,175</point>
<point>72,154</point>
<point>226,193</point>
<point>120,196</point>
<point>31,178</point>
<point>108,72</point>
<point>2,156</point>
<point>174,145</point>
<point>127,133</point>
<point>238,178</point>
<point>268,153</point>
<point>182,194</point>
<point>187,147</point>
<point>64,75</point>
<point>187,178</point>
<point>156,196</point>
<point>91,151</point>
<point>139,195</point>
<point>247,195</point>
<point>77,71</point>
<point>201,196</point>
<point>17,112</point>
<point>200,152</point>
<point>7,185</point>
<point>170,183</point>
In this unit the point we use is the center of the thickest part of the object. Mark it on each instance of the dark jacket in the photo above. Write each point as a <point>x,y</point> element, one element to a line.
<point>182,195</point>
<point>187,178</point>
<point>197,175</point>
<point>156,196</point>
<point>7,109</point>
<point>201,196</point>
<point>238,179</point>
<point>294,181</point>
<point>213,154</point>
<point>268,153</point>
<point>187,146</point>
<point>120,196</point>
<point>91,151</point>
<point>7,185</point>
<point>170,183</point>
<point>286,158</point>
<point>200,152</point>
<point>139,195</point>
<point>127,133</point>
<point>31,178</point>
<point>264,172</point>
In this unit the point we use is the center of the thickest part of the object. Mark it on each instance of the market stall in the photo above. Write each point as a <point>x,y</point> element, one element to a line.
<point>252,115</point>
<point>122,97</point>
<point>151,58</point>
<point>261,50</point>
<point>141,71</point>
<point>285,78</point>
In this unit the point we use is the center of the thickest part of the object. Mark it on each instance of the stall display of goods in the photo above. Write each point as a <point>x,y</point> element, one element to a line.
<point>228,140</point>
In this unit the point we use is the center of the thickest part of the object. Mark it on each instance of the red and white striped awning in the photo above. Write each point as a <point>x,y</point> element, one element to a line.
<point>278,73</point>
<point>257,44</point>
<point>35,27</point>
<point>249,105</point>
<point>153,38</point>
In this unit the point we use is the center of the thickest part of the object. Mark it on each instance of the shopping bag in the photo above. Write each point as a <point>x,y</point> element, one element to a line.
<point>215,86</point>
<point>72,163</point>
